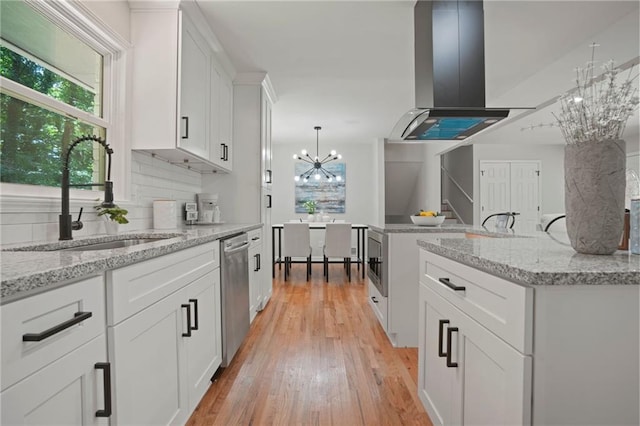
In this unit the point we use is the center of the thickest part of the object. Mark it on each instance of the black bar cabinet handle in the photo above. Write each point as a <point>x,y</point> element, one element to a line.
<point>188,307</point>
<point>186,127</point>
<point>374,299</point>
<point>195,313</point>
<point>450,331</point>
<point>269,204</point>
<point>451,285</point>
<point>226,152</point>
<point>106,381</point>
<point>441,323</point>
<point>222,151</point>
<point>257,267</point>
<point>269,173</point>
<point>259,261</point>
<point>78,317</point>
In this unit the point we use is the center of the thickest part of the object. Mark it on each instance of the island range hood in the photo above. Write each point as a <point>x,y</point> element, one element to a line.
<point>449,74</point>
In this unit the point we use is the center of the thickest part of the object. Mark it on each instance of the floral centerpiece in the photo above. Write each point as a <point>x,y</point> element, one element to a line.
<point>592,119</point>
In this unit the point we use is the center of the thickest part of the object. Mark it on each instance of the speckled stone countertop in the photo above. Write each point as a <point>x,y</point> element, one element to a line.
<point>536,259</point>
<point>29,268</point>
<point>410,228</point>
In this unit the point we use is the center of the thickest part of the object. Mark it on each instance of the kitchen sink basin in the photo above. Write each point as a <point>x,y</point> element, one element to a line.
<point>95,244</point>
<point>113,244</point>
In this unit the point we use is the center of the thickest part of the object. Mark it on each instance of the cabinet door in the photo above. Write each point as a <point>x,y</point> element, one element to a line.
<point>68,391</point>
<point>226,119</point>
<point>494,380</point>
<point>194,92</point>
<point>435,380</point>
<point>148,353</point>
<point>265,140</point>
<point>204,347</point>
<point>268,272</point>
<point>255,280</point>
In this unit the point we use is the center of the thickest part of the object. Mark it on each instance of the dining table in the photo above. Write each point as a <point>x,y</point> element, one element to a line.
<point>360,244</point>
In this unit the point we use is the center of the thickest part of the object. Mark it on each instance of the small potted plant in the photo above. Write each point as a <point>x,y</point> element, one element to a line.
<point>310,205</point>
<point>113,217</point>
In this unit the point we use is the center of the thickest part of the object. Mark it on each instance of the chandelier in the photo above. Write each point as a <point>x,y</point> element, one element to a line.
<point>317,169</point>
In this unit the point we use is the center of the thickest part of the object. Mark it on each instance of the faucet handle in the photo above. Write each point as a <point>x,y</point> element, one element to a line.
<point>77,225</point>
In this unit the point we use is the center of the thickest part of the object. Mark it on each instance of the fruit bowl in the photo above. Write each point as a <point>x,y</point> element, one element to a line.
<point>428,220</point>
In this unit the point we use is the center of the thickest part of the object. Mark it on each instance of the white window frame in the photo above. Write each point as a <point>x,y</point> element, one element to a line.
<point>79,21</point>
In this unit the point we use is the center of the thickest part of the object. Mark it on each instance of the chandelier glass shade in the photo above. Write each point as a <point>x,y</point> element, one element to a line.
<point>316,170</point>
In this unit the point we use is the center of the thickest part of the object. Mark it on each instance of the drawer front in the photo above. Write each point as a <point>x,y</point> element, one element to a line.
<point>47,314</point>
<point>379,304</point>
<point>255,237</point>
<point>133,288</point>
<point>503,307</point>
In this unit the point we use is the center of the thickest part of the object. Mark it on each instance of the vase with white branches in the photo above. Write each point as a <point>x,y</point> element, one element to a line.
<point>592,119</point>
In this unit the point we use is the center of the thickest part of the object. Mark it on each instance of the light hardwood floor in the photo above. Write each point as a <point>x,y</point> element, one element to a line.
<point>316,355</point>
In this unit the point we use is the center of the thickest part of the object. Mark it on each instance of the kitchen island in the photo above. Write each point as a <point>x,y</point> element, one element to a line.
<point>524,330</point>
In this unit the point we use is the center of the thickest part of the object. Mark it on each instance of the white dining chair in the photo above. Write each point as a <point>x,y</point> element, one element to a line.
<point>337,243</point>
<point>296,243</point>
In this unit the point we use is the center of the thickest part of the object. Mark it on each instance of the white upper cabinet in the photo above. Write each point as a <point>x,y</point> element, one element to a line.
<point>194,99</point>
<point>182,105</point>
<point>221,113</point>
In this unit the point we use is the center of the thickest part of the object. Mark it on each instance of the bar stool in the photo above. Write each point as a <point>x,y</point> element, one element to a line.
<point>296,243</point>
<point>337,243</point>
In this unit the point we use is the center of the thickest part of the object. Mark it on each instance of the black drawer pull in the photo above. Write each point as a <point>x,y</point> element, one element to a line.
<point>106,369</point>
<point>269,175</point>
<point>451,285</point>
<point>269,203</point>
<point>441,353</point>
<point>259,261</point>
<point>188,307</point>
<point>222,151</point>
<point>78,317</point>
<point>374,299</point>
<point>226,152</point>
<point>195,313</point>
<point>450,331</point>
<point>257,267</point>
<point>186,127</point>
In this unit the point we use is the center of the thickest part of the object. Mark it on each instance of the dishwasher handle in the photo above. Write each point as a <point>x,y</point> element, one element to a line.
<point>236,249</point>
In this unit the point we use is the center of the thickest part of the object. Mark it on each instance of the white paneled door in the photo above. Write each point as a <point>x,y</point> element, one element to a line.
<point>511,186</point>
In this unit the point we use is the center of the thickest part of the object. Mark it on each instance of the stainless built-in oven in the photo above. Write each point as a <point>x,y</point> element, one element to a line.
<point>377,247</point>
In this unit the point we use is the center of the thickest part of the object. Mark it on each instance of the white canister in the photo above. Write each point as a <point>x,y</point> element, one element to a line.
<point>165,214</point>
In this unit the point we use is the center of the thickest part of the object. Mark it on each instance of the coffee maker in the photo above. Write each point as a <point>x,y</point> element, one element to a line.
<point>208,210</point>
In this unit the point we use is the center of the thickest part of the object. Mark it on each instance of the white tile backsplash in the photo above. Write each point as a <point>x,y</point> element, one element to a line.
<point>151,178</point>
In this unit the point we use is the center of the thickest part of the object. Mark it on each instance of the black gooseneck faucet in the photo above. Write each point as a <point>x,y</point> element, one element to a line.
<point>66,224</point>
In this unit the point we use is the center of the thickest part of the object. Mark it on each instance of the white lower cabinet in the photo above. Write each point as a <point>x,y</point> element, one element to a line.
<point>165,352</point>
<point>255,272</point>
<point>69,391</point>
<point>54,357</point>
<point>467,375</point>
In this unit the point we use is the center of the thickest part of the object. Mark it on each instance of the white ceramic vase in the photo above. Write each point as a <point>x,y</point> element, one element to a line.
<point>311,218</point>
<point>111,227</point>
<point>594,177</point>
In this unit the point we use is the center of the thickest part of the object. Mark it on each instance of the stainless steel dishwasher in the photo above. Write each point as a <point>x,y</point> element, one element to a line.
<point>235,294</point>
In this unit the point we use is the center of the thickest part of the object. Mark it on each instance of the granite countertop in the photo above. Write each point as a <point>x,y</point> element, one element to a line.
<point>28,268</point>
<point>535,259</point>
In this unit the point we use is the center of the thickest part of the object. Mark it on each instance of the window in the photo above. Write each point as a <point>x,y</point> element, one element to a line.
<point>51,93</point>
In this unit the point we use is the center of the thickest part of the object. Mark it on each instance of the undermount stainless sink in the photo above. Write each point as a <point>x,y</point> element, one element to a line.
<point>94,244</point>
<point>113,244</point>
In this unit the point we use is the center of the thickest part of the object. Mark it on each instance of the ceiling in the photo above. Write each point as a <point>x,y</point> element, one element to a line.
<point>348,65</point>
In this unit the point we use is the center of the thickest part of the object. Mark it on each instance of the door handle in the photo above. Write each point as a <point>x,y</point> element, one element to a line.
<point>259,261</point>
<point>450,331</point>
<point>195,313</point>
<point>186,127</point>
<point>257,267</point>
<point>188,307</point>
<point>222,151</point>
<point>269,203</point>
<point>373,298</point>
<point>78,317</point>
<point>268,180</point>
<point>226,152</point>
<point>106,381</point>
<point>441,324</point>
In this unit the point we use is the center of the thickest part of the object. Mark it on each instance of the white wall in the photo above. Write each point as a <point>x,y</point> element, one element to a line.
<point>362,183</point>
<point>552,173</point>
